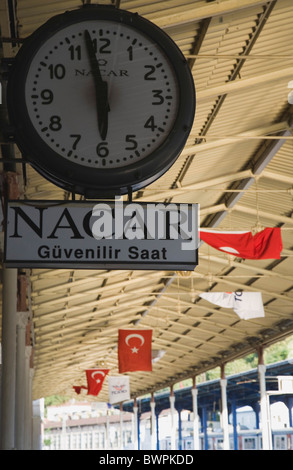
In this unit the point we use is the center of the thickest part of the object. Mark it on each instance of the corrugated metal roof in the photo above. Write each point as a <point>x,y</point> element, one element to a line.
<point>241,58</point>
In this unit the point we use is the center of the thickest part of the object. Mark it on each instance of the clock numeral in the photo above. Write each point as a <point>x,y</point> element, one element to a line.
<point>158,94</point>
<point>151,71</point>
<point>130,139</point>
<point>150,123</point>
<point>76,138</point>
<point>102,149</point>
<point>103,48</point>
<point>47,96</point>
<point>130,52</point>
<point>75,52</point>
<point>57,71</point>
<point>55,123</point>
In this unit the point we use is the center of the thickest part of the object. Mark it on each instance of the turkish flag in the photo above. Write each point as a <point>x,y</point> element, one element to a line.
<point>77,388</point>
<point>95,379</point>
<point>266,244</point>
<point>134,350</point>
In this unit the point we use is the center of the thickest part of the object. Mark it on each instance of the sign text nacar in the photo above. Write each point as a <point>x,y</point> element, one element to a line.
<point>111,235</point>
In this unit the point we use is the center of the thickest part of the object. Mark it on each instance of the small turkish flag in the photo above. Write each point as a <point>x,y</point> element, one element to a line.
<point>95,379</point>
<point>77,388</point>
<point>134,350</point>
<point>266,244</point>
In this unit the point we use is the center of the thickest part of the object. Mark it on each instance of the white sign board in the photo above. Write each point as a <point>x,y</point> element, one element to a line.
<point>101,235</point>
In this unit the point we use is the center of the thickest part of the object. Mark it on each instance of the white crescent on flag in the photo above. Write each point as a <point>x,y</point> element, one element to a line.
<point>229,249</point>
<point>97,372</point>
<point>134,336</point>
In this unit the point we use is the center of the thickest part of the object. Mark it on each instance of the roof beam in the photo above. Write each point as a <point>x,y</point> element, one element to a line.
<point>206,320</point>
<point>146,290</point>
<point>197,186</point>
<point>86,313</point>
<point>238,285</point>
<point>259,132</point>
<point>244,83</point>
<point>248,267</point>
<point>277,218</point>
<point>281,178</point>
<point>202,10</point>
<point>86,281</point>
<point>258,164</point>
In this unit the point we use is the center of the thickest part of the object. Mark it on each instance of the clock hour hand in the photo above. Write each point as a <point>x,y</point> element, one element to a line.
<point>101,88</point>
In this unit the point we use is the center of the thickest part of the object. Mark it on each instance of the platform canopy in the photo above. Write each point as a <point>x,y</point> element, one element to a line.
<point>237,164</point>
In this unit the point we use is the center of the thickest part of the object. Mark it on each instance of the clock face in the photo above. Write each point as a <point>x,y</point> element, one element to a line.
<point>102,101</point>
<point>138,79</point>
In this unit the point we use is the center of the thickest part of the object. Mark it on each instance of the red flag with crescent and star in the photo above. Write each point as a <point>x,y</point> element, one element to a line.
<point>78,388</point>
<point>266,244</point>
<point>95,380</point>
<point>134,350</point>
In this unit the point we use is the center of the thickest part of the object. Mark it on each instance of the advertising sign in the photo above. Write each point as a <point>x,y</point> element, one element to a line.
<point>101,235</point>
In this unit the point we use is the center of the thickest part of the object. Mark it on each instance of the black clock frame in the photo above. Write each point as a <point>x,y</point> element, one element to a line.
<point>76,178</point>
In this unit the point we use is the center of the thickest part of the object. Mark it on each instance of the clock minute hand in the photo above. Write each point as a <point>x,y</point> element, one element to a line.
<point>101,88</point>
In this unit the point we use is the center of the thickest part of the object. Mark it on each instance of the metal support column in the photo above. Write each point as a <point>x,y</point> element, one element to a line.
<point>121,426</point>
<point>38,415</point>
<point>205,429</point>
<point>107,430</point>
<point>21,379</point>
<point>138,431</point>
<point>180,440</point>
<point>256,409</point>
<point>290,409</point>
<point>28,411</point>
<point>135,424</point>
<point>195,416</point>
<point>8,358</point>
<point>224,412</point>
<point>157,431</point>
<point>264,405</point>
<point>173,426</point>
<point>153,423</point>
<point>234,418</point>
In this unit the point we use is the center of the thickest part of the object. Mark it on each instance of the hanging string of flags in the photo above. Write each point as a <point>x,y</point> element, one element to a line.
<point>266,244</point>
<point>119,387</point>
<point>134,346</point>
<point>134,354</point>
